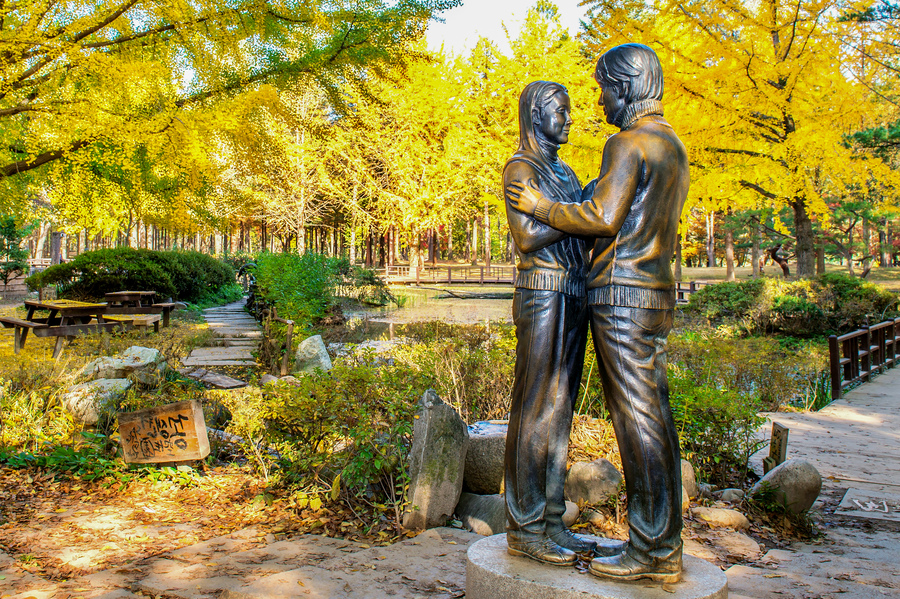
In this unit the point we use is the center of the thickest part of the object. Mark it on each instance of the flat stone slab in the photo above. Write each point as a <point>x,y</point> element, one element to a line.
<point>222,353</point>
<point>492,573</point>
<point>214,362</point>
<point>214,379</point>
<point>233,332</point>
<point>760,582</point>
<point>875,505</point>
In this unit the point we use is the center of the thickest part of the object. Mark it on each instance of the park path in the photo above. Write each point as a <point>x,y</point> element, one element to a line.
<point>237,336</point>
<point>855,445</point>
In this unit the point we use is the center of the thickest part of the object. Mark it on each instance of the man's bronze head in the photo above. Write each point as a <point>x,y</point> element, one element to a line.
<point>632,71</point>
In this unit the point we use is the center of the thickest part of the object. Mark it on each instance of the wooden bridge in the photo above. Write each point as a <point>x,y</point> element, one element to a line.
<point>449,275</point>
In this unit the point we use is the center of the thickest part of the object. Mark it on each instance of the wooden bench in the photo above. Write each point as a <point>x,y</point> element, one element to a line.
<point>20,329</point>
<point>138,321</point>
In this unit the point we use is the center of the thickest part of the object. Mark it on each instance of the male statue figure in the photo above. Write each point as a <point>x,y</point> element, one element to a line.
<point>633,213</point>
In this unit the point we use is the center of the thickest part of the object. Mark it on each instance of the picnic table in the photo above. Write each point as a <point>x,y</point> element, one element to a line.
<point>65,319</point>
<point>139,302</point>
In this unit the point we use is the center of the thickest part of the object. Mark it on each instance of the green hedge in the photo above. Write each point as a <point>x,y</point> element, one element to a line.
<point>181,275</point>
<point>830,303</point>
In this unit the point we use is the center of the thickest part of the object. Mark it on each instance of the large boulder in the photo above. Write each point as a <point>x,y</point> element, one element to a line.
<point>485,458</point>
<point>312,354</point>
<point>796,484</point>
<point>142,364</point>
<point>482,514</point>
<point>437,463</point>
<point>486,514</point>
<point>88,400</point>
<point>592,482</point>
<point>689,479</point>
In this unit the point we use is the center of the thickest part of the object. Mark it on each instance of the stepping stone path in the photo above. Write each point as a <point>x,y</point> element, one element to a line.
<point>239,334</point>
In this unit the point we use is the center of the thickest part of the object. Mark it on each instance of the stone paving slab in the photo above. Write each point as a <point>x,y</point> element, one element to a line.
<point>432,564</point>
<point>212,363</point>
<point>219,381</point>
<point>234,332</point>
<point>223,353</point>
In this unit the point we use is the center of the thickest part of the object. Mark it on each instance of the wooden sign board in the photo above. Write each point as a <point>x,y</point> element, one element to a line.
<point>777,447</point>
<point>172,433</point>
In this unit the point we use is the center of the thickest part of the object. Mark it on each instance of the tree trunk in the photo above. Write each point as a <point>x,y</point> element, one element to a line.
<point>882,244</point>
<point>805,250</point>
<point>352,245</point>
<point>779,260</point>
<point>475,228</point>
<point>867,246</point>
<point>487,236</point>
<point>450,242</point>
<point>678,273</point>
<point>754,252</point>
<point>710,239</point>
<point>56,241</point>
<point>729,254</point>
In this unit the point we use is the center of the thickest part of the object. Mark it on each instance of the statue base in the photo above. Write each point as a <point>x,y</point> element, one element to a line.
<point>492,573</point>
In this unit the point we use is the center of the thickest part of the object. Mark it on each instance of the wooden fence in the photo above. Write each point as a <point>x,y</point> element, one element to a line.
<point>856,356</point>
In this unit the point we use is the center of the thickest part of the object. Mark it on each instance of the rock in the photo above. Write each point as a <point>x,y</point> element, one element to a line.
<point>570,516</point>
<point>595,517</point>
<point>737,544</point>
<point>482,514</point>
<point>88,400</point>
<point>437,463</point>
<point>795,483</point>
<point>722,517</point>
<point>731,495</point>
<point>143,364</point>
<point>705,491</point>
<point>485,458</point>
<point>267,378</point>
<point>291,380</point>
<point>592,482</point>
<point>311,355</point>
<point>685,499</point>
<point>689,479</point>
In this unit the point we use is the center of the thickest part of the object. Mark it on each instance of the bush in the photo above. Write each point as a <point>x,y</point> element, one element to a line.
<point>182,275</point>
<point>831,303</point>
<point>717,427</point>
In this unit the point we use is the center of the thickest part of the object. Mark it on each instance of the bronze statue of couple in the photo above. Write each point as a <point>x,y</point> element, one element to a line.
<point>600,256</point>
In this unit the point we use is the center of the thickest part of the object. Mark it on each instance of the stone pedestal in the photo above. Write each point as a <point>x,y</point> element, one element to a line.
<point>491,573</point>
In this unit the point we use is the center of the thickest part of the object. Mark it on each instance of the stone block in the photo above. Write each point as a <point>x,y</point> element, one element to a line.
<point>485,458</point>
<point>796,484</point>
<point>592,482</point>
<point>689,479</point>
<point>143,364</point>
<point>88,400</point>
<point>482,514</point>
<point>437,463</point>
<point>312,354</point>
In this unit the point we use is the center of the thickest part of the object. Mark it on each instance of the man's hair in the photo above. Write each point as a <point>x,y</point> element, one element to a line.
<point>633,69</point>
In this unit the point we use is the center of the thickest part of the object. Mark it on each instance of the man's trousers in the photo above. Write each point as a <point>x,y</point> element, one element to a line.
<point>631,352</point>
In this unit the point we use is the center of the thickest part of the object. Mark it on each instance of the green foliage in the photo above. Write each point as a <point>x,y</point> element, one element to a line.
<point>182,275</point>
<point>353,422</point>
<point>716,427</point>
<point>90,461</point>
<point>830,303</point>
<point>13,257</point>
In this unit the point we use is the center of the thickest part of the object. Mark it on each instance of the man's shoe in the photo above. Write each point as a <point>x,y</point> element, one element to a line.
<point>541,549</point>
<point>573,542</point>
<point>625,567</point>
<point>609,548</point>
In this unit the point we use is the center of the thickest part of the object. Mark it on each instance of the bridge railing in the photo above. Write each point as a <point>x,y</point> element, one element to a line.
<point>854,357</point>
<point>449,275</point>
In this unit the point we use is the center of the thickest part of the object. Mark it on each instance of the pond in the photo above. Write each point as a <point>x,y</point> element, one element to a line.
<point>459,304</point>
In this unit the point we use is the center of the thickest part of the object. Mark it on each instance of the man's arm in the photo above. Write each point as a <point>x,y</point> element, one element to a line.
<point>604,213</point>
<point>529,234</point>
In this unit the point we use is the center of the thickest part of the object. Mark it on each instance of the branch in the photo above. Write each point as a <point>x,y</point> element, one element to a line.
<point>763,192</point>
<point>26,165</point>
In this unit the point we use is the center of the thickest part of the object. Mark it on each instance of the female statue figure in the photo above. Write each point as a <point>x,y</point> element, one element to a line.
<point>549,310</point>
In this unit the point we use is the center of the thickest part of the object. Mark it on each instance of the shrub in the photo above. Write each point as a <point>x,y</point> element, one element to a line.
<point>830,303</point>
<point>717,427</point>
<point>182,275</point>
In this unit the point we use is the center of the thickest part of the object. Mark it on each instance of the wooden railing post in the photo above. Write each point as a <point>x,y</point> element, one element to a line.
<point>834,351</point>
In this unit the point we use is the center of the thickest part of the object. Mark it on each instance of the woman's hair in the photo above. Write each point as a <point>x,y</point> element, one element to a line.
<point>633,69</point>
<point>535,96</point>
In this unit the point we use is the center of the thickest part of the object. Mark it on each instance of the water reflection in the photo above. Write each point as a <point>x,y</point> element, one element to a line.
<point>462,304</point>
